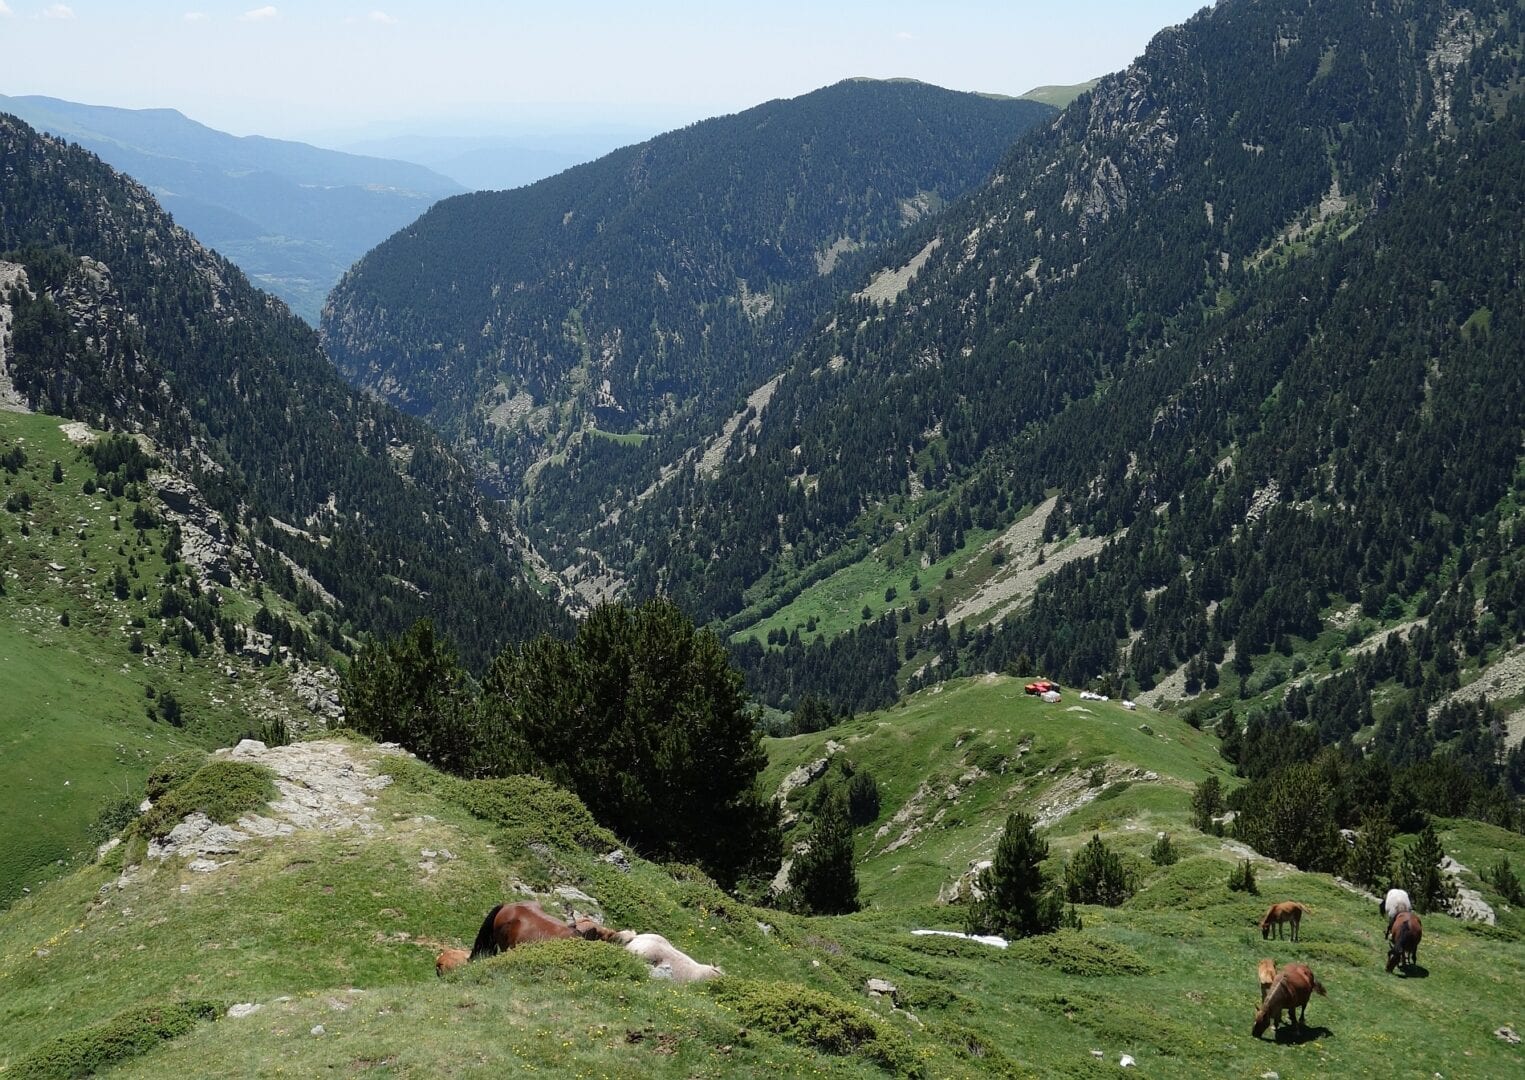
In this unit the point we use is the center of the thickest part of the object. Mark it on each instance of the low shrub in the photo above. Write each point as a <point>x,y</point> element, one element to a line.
<point>817,1020</point>
<point>1242,879</point>
<point>173,770</point>
<point>531,810</point>
<point>222,790</point>
<point>99,1046</point>
<point>1076,954</point>
<point>569,960</point>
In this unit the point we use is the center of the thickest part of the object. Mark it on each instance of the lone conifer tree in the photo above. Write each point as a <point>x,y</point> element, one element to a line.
<point>1370,864</point>
<point>1017,900</point>
<point>1429,887</point>
<point>823,879</point>
<point>1096,875</point>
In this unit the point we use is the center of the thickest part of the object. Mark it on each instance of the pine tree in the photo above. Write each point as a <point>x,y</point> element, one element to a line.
<point>823,879</point>
<point>1096,875</point>
<point>1370,863</point>
<point>1164,852</point>
<point>1503,878</point>
<point>1016,898</point>
<point>1429,887</point>
<point>1206,801</point>
<point>1242,879</point>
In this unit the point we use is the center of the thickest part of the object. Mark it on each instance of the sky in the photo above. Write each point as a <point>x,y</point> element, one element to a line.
<point>323,68</point>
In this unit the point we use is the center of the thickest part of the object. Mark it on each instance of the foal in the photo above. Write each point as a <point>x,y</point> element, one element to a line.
<point>1286,911</point>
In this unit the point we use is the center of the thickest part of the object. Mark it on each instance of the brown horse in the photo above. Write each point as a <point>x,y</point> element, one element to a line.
<point>1292,988</point>
<point>509,925</point>
<point>449,960</point>
<point>1403,940</point>
<point>1287,911</point>
<point>1267,974</point>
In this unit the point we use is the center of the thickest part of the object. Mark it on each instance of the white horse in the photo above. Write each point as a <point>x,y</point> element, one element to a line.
<point>1393,904</point>
<point>668,961</point>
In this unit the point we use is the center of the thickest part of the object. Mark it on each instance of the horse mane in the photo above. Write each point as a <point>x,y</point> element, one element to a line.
<point>486,943</point>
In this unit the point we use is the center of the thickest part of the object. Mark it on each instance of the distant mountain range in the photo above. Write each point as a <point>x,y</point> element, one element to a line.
<point>632,296</point>
<point>498,162</point>
<point>291,216</point>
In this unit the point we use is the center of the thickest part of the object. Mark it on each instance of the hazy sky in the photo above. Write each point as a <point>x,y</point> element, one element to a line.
<point>299,68</point>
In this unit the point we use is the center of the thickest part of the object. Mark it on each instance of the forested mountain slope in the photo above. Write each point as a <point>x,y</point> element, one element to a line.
<point>119,318</point>
<point>1243,306</point>
<point>631,293</point>
<point>291,216</point>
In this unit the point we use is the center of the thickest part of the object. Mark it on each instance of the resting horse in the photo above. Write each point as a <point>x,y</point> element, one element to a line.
<point>508,925</point>
<point>1294,984</point>
<point>1403,940</point>
<point>657,951</point>
<point>1287,911</point>
<point>449,960</point>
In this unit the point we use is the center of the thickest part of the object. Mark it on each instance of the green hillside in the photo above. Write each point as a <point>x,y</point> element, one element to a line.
<point>88,650</point>
<point>1060,96</point>
<point>333,932</point>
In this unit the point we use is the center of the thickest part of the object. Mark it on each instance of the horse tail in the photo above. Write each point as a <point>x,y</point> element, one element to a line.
<point>486,944</point>
<point>1318,988</point>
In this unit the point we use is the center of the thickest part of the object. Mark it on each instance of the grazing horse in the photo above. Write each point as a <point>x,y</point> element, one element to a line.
<point>1395,903</point>
<point>1294,984</point>
<point>449,960</point>
<point>1403,940</point>
<point>1287,911</point>
<point>1267,974</point>
<point>508,925</point>
<point>660,953</point>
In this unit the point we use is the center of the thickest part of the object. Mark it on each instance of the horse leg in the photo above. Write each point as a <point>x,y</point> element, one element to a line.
<point>1297,925</point>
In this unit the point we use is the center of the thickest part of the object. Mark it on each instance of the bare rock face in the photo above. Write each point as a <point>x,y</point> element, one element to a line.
<point>1469,902</point>
<point>203,541</point>
<point>965,887</point>
<point>807,773</point>
<point>317,688</point>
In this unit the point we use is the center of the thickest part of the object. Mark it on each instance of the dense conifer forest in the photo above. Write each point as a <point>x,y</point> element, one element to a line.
<point>126,322</point>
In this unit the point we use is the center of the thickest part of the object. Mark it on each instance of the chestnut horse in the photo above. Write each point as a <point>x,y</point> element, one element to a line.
<point>1287,911</point>
<point>508,925</point>
<point>1403,940</point>
<point>1267,974</point>
<point>449,960</point>
<point>1292,988</point>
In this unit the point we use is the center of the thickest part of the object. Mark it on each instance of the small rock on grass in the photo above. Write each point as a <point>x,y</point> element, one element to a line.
<point>242,1009</point>
<point>317,1029</point>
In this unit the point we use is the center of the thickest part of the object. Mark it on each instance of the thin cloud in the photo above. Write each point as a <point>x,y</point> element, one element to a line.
<point>196,16</point>
<point>263,14</point>
<point>58,12</point>
<point>905,35</point>
<point>5,10</point>
<point>383,18</point>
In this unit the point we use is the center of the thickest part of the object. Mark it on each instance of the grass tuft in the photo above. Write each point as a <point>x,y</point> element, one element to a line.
<point>571,960</point>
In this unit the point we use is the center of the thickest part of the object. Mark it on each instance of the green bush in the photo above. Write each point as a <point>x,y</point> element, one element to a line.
<point>222,790</point>
<point>1503,879</point>
<point>1164,852</point>
<point>99,1046</point>
<point>1076,954</point>
<point>530,809</point>
<point>173,770</point>
<point>1242,879</point>
<point>567,960</point>
<point>817,1020</point>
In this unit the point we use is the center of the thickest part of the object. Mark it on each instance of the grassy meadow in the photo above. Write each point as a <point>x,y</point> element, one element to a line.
<point>339,930</point>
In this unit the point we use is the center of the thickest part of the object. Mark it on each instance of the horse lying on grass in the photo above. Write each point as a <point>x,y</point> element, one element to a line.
<point>510,925</point>
<point>1294,984</point>
<point>660,953</point>
<point>1403,940</point>
<point>1287,911</point>
<point>449,960</point>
